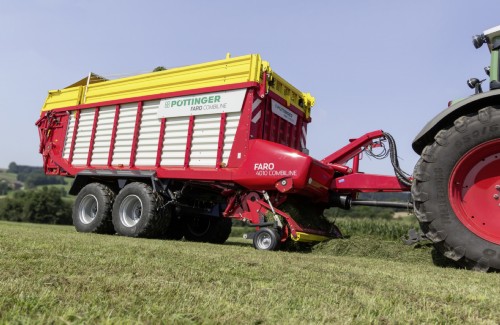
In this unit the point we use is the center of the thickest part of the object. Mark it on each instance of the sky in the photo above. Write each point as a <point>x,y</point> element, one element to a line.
<point>390,65</point>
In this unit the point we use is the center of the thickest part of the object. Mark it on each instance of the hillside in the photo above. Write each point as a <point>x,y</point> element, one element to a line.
<point>51,274</point>
<point>18,177</point>
<point>8,182</point>
<point>7,176</point>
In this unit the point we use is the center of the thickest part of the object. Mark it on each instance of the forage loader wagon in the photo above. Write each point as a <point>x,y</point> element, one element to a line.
<point>181,152</point>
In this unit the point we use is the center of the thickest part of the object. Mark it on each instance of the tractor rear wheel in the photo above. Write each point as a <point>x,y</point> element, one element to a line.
<point>456,190</point>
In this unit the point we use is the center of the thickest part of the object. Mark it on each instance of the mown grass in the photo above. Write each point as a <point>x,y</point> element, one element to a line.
<point>381,228</point>
<point>51,274</point>
<point>387,229</point>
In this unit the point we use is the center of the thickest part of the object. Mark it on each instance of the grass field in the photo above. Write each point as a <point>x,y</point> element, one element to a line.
<point>51,274</point>
<point>8,177</point>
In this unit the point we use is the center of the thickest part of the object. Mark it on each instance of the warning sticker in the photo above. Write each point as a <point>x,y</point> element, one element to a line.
<point>283,112</point>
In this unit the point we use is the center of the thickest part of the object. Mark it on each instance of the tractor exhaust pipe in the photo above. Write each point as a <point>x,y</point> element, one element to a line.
<point>384,204</point>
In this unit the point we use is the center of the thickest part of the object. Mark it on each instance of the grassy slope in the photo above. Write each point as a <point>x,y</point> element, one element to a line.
<point>9,177</point>
<point>53,274</point>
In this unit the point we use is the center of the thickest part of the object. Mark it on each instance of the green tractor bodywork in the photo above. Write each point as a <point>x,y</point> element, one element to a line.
<point>471,104</point>
<point>494,77</point>
<point>493,40</point>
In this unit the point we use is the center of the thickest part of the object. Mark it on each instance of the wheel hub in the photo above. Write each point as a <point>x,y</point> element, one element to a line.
<point>87,210</point>
<point>474,190</point>
<point>130,210</point>
<point>199,226</point>
<point>264,241</point>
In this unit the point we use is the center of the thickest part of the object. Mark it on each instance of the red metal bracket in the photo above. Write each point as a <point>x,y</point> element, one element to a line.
<point>161,138</point>
<point>346,153</point>
<point>113,135</point>
<point>92,136</point>
<point>73,138</point>
<point>135,139</point>
<point>284,185</point>
<point>263,85</point>
<point>360,182</point>
<point>250,207</point>
<point>189,141</point>
<point>220,146</point>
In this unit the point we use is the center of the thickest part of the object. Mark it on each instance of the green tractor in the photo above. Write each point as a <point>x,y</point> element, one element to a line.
<point>456,187</point>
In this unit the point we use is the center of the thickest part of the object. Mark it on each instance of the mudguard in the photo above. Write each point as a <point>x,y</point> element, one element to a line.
<point>448,116</point>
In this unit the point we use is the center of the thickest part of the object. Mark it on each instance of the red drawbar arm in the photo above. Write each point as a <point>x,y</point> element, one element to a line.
<point>368,183</point>
<point>344,154</point>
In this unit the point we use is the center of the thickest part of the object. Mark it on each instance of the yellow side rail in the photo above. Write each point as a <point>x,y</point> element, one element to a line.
<point>247,68</point>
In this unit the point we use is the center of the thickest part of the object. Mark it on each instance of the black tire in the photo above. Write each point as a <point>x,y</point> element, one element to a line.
<point>434,175</point>
<point>92,209</point>
<point>175,229</point>
<point>215,230</point>
<point>138,212</point>
<point>266,239</point>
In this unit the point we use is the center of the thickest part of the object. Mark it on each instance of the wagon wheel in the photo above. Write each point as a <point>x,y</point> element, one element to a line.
<point>175,229</point>
<point>92,209</point>
<point>137,212</point>
<point>266,239</point>
<point>215,230</point>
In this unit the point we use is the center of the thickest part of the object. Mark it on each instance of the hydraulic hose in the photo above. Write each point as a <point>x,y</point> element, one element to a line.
<point>403,177</point>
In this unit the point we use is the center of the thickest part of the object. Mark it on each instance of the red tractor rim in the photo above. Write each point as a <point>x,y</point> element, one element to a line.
<point>474,190</point>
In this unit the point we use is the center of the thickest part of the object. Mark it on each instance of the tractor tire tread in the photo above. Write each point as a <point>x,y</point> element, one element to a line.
<point>439,223</point>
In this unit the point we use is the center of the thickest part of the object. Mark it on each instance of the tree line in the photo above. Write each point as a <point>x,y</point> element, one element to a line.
<point>41,205</point>
<point>37,203</point>
<point>33,176</point>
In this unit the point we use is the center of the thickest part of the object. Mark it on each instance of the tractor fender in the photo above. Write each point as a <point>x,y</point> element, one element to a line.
<point>446,117</point>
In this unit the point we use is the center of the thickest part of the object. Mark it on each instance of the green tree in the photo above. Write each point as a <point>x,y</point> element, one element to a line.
<point>11,209</point>
<point>4,187</point>
<point>13,168</point>
<point>38,206</point>
<point>36,178</point>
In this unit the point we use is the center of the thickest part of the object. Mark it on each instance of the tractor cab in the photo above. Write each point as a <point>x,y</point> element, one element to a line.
<point>492,38</point>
